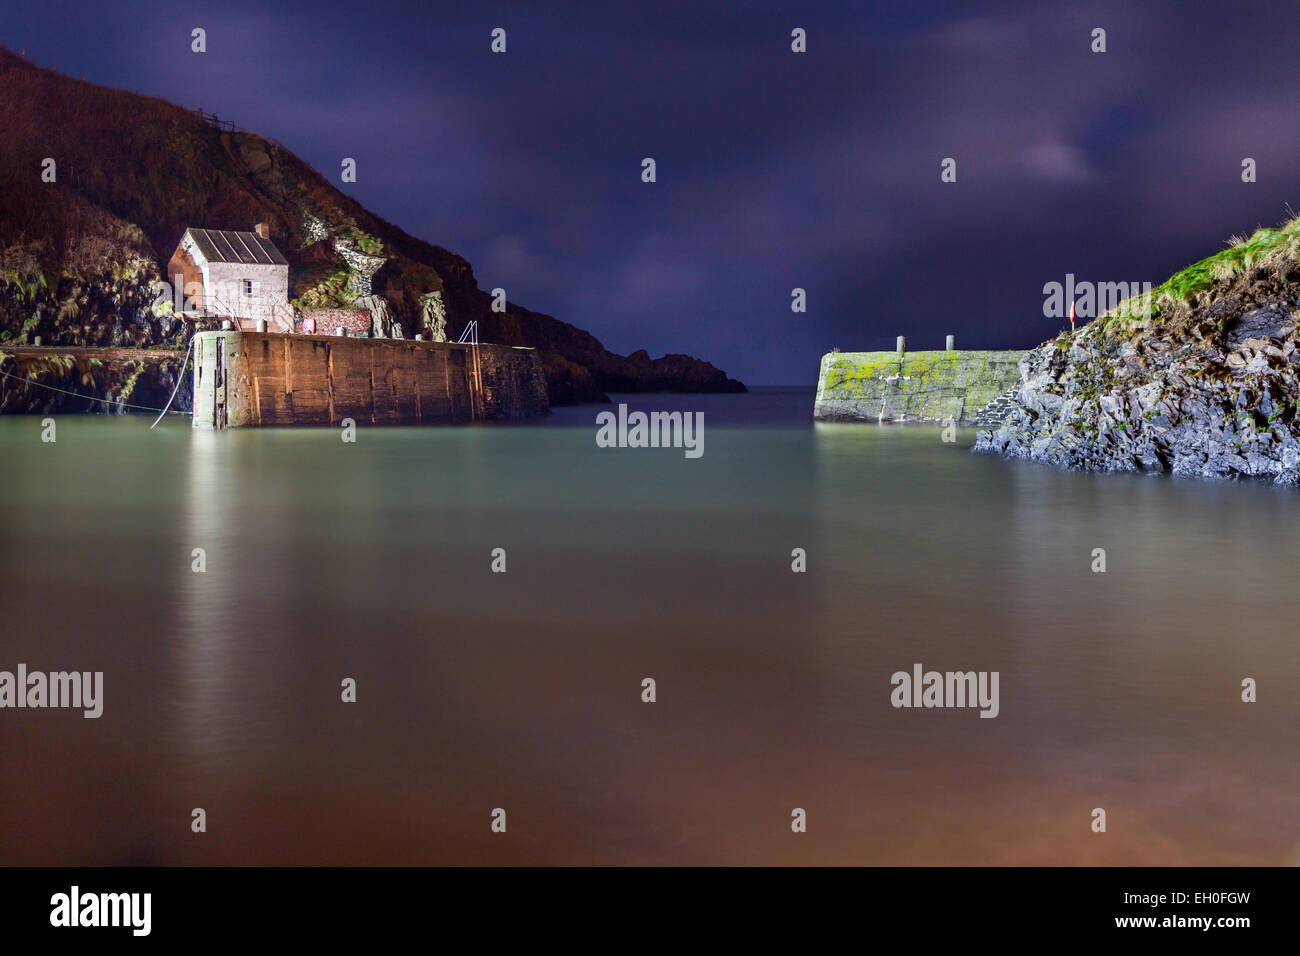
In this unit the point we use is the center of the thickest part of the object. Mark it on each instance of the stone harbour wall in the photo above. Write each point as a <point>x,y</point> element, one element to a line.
<point>934,386</point>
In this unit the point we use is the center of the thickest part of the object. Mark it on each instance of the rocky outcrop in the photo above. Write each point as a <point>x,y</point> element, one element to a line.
<point>104,309</point>
<point>433,317</point>
<point>1211,396</point>
<point>363,267</point>
<point>382,323</point>
<point>45,381</point>
<point>638,372</point>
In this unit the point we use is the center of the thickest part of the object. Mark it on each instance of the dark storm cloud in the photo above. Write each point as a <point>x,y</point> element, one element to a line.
<point>775,170</point>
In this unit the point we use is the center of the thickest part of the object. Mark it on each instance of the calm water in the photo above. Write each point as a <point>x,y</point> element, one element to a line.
<point>522,690</point>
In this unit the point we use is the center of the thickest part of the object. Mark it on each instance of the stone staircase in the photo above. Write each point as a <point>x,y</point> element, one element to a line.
<point>995,412</point>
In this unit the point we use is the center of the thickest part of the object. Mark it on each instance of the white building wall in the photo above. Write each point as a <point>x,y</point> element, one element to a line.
<point>269,300</point>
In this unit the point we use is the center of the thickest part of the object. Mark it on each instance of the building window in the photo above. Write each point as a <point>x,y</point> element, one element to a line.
<point>248,287</point>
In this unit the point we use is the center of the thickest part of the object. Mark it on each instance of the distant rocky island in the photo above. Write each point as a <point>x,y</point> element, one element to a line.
<point>1201,378</point>
<point>84,242</point>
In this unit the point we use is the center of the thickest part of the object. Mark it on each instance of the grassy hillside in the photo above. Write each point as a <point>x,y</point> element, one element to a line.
<point>1269,259</point>
<point>78,256</point>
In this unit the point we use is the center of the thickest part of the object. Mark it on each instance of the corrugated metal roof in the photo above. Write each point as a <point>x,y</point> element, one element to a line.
<point>224,245</point>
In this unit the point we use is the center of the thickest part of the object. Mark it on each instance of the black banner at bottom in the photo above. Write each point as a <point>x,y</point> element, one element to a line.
<point>90,906</point>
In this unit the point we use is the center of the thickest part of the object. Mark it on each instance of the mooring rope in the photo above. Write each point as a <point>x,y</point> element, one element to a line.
<point>116,404</point>
<point>89,398</point>
<point>179,375</point>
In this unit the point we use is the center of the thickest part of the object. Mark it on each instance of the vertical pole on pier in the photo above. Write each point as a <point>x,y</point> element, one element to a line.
<point>474,372</point>
<point>478,377</point>
<point>950,344</point>
<point>902,344</point>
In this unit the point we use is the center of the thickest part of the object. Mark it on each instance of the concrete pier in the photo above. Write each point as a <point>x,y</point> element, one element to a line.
<point>244,379</point>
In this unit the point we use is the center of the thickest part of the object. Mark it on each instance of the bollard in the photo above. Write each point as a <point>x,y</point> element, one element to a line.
<point>902,344</point>
<point>950,344</point>
<point>261,325</point>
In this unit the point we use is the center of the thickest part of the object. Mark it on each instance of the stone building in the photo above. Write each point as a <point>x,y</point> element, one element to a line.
<point>240,276</point>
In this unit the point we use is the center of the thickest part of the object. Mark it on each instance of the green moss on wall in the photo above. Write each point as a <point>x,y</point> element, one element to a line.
<point>931,386</point>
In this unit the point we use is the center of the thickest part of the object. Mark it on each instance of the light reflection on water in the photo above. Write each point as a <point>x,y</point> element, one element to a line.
<point>371,561</point>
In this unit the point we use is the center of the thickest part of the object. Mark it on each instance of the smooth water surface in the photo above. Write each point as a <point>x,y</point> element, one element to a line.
<point>476,690</point>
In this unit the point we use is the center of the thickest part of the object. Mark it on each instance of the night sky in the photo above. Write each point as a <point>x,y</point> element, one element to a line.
<point>775,169</point>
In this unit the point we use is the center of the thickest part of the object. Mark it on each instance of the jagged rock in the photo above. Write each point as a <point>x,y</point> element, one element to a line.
<point>1267,322</point>
<point>363,268</point>
<point>433,317</point>
<point>1221,408</point>
<point>314,229</point>
<point>382,323</point>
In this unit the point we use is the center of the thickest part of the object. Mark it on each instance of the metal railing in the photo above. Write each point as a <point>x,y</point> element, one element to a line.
<point>209,304</point>
<point>213,120</point>
<point>213,306</point>
<point>473,370</point>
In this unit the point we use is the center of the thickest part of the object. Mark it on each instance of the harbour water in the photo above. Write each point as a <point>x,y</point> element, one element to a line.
<point>475,690</point>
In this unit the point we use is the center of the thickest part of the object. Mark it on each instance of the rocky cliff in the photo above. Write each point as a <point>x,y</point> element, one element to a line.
<point>1202,381</point>
<point>83,242</point>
